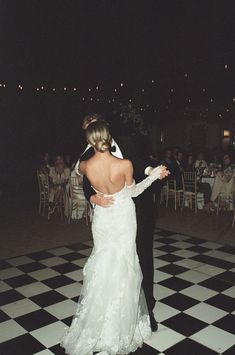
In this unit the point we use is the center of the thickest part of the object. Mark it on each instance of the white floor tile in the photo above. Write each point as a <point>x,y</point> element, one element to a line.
<point>214,338</point>
<point>19,308</point>
<point>230,292</point>
<point>164,338</point>
<point>182,244</point>
<point>20,260</point>
<point>80,262</point>
<point>44,274</point>
<point>188,263</point>
<point>185,253</point>
<point>60,251</point>
<point>33,289</point>
<point>10,329</point>
<point>193,276</point>
<point>76,275</point>
<point>160,276</point>
<point>206,312</point>
<point>160,292</point>
<point>44,352</point>
<point>158,244</point>
<point>179,237</point>
<point>51,334</point>
<point>159,263</point>
<point>4,286</point>
<point>71,290</point>
<point>231,258</point>
<point>10,272</point>
<point>62,309</point>
<point>210,245</point>
<point>218,254</point>
<point>157,252</point>
<point>198,292</point>
<point>86,252</point>
<point>209,270</point>
<point>163,312</point>
<point>53,261</point>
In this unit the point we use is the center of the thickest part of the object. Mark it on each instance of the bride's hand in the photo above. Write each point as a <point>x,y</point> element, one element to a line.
<point>160,172</point>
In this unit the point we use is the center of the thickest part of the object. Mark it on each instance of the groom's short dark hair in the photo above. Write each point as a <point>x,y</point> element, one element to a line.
<point>91,117</point>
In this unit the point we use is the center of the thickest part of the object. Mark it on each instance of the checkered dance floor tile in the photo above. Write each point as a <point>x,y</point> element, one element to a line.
<point>194,287</point>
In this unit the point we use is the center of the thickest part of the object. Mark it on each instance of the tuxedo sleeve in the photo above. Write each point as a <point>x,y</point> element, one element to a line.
<point>87,188</point>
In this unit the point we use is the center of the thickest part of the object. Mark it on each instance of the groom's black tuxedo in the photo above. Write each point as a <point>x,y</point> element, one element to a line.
<point>145,211</point>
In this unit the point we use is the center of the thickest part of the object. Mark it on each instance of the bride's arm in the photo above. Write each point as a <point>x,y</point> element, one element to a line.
<point>136,189</point>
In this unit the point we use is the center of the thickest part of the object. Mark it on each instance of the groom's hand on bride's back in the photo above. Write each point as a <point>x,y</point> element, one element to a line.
<point>101,200</point>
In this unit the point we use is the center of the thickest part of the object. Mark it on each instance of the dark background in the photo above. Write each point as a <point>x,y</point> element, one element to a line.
<point>184,45</point>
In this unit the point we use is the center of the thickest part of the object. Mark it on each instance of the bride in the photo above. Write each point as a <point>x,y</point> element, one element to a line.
<point>111,316</point>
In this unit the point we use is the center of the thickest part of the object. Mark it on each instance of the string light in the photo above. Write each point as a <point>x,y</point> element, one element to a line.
<point>42,87</point>
<point>122,84</point>
<point>65,89</point>
<point>226,66</point>
<point>74,89</point>
<point>53,89</point>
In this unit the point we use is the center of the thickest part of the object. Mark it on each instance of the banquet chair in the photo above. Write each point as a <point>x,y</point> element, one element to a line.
<point>43,185</point>
<point>78,205</point>
<point>190,190</point>
<point>172,192</point>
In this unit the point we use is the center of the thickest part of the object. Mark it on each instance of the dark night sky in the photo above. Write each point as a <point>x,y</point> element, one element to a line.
<point>105,42</point>
<point>88,41</point>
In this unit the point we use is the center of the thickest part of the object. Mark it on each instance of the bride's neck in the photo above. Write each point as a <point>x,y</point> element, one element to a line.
<point>102,154</point>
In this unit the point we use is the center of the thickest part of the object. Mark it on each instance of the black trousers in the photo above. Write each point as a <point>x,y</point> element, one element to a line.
<point>144,244</point>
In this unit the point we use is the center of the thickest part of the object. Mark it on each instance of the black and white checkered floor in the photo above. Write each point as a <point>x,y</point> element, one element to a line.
<point>194,286</point>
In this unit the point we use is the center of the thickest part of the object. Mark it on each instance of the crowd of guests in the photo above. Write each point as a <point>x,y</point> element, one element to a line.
<point>178,162</point>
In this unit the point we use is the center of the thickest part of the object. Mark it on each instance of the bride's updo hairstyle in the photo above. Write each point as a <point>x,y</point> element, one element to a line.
<point>98,136</point>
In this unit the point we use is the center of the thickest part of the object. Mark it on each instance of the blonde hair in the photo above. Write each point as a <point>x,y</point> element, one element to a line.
<point>88,119</point>
<point>98,136</point>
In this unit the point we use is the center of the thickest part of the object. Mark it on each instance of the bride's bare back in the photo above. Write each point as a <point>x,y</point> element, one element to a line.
<point>106,173</point>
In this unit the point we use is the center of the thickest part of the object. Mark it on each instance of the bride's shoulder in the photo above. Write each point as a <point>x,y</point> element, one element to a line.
<point>126,164</point>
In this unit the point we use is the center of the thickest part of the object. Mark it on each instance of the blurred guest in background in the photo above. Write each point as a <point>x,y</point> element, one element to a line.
<point>59,177</point>
<point>189,164</point>
<point>200,163</point>
<point>44,163</point>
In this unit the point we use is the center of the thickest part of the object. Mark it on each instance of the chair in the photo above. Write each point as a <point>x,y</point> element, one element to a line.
<point>77,201</point>
<point>43,185</point>
<point>172,192</point>
<point>190,190</point>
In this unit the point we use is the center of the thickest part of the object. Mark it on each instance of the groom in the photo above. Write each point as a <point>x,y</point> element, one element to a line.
<point>145,211</point>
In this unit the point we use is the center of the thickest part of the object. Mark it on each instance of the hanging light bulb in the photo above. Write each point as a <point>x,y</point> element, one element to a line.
<point>122,85</point>
<point>142,90</point>
<point>74,89</point>
<point>37,89</point>
<point>65,89</point>
<point>42,87</point>
<point>53,89</point>
<point>97,87</point>
<point>89,89</point>
<point>226,66</point>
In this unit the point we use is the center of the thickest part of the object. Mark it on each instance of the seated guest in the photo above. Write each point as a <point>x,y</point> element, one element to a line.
<point>59,177</point>
<point>178,170</point>
<point>224,183</point>
<point>189,164</point>
<point>200,163</point>
<point>167,160</point>
<point>44,163</point>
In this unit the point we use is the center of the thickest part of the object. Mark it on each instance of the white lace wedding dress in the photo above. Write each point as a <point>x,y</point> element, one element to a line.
<point>112,316</point>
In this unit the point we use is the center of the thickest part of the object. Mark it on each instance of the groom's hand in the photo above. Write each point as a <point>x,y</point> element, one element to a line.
<point>101,200</point>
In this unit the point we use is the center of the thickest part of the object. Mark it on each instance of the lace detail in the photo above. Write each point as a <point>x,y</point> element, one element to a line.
<point>111,315</point>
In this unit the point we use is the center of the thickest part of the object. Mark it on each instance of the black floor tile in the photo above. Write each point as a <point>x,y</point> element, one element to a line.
<point>57,350</point>
<point>227,323</point>
<point>31,267</point>
<point>77,246</point>
<point>171,258</point>
<point>40,255</point>
<point>189,347</point>
<point>227,249</point>
<point>9,297</point>
<point>166,240</point>
<point>146,350</point>
<point>20,280</point>
<point>227,276</point>
<point>168,248</point>
<point>173,269</point>
<point>165,233</point>
<point>23,345</point>
<point>48,298</point>
<point>230,351</point>
<point>175,283</point>
<point>66,267</point>
<point>196,240</point>
<point>215,284</point>
<point>35,320</point>
<point>205,259</point>
<point>198,249</point>
<point>58,281</point>
<point>68,321</point>
<point>180,301</point>
<point>185,324</point>
<point>4,265</point>
<point>3,316</point>
<point>223,302</point>
<point>73,256</point>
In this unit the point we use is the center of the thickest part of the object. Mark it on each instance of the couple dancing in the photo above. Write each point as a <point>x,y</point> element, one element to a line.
<point>112,315</point>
